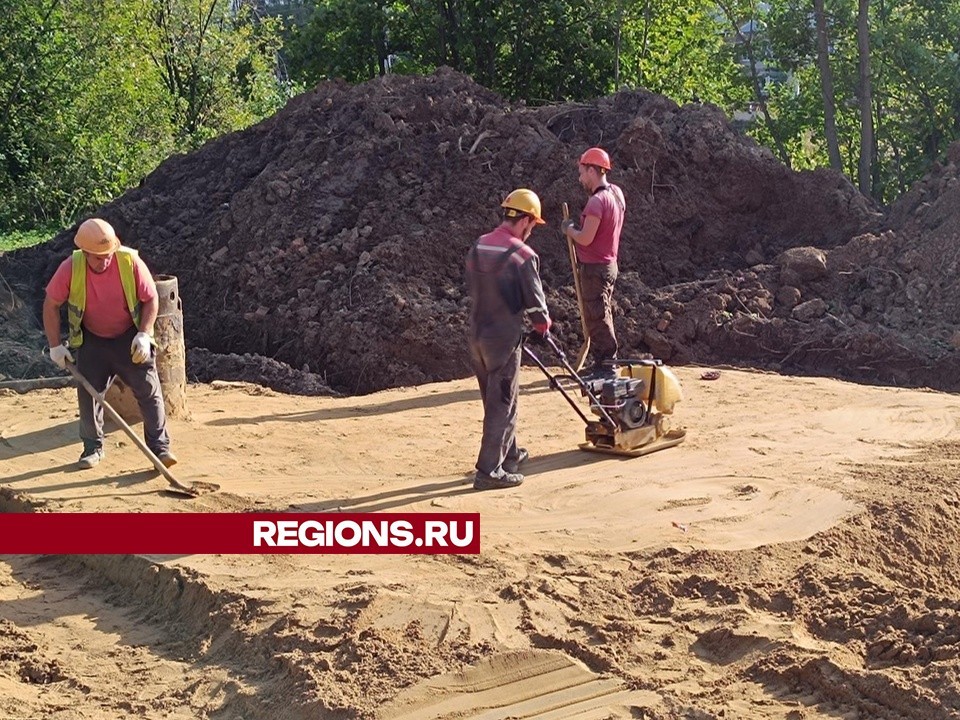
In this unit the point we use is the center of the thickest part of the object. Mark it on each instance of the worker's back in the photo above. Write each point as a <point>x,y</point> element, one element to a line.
<point>500,286</point>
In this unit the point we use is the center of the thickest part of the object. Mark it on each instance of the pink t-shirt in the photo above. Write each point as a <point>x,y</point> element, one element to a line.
<point>609,206</point>
<point>106,313</point>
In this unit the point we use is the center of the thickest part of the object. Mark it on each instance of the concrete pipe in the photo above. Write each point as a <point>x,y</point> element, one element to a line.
<point>171,358</point>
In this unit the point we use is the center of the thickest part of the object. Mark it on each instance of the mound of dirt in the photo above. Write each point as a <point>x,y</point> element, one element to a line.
<point>331,237</point>
<point>206,366</point>
<point>879,308</point>
<point>21,338</point>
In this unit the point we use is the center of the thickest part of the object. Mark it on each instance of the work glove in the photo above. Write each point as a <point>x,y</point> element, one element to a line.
<point>60,354</point>
<point>540,332</point>
<point>140,348</point>
<point>566,225</point>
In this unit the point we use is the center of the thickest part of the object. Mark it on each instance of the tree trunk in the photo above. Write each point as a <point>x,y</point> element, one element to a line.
<point>644,46</point>
<point>616,62</point>
<point>826,87</point>
<point>451,21</point>
<point>866,97</point>
<point>758,92</point>
<point>481,23</point>
<point>441,33</point>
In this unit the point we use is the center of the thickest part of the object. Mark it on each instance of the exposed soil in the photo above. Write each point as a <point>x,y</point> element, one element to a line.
<point>206,366</point>
<point>331,236</point>
<point>794,564</point>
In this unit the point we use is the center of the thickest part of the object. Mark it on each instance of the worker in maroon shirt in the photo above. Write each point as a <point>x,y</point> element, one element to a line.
<point>112,305</point>
<point>598,242</point>
<point>503,275</point>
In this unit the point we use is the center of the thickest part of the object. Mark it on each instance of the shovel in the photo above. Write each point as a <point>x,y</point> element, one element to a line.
<point>194,489</point>
<point>585,348</point>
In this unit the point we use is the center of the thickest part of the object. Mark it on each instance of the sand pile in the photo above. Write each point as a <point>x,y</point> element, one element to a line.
<point>793,564</point>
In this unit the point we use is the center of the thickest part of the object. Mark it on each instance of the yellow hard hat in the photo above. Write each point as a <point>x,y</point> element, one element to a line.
<point>524,201</point>
<point>97,237</point>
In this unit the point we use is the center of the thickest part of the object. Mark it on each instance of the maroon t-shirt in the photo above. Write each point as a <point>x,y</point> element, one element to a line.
<point>608,204</point>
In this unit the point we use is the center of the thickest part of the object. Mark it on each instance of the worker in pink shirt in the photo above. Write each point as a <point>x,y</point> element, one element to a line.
<point>598,243</point>
<point>112,305</point>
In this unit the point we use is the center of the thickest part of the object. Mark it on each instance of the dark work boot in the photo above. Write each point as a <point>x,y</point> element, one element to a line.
<point>599,371</point>
<point>512,466</point>
<point>90,457</point>
<point>489,482</point>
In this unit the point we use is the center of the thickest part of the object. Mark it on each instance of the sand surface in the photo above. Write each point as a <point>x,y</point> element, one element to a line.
<point>795,558</point>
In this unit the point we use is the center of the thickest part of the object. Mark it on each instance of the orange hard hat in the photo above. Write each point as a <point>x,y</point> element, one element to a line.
<point>596,156</point>
<point>97,237</point>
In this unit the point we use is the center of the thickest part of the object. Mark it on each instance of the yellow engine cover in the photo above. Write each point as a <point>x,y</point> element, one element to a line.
<point>666,392</point>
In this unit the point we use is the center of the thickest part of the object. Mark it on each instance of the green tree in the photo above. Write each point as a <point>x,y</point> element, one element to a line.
<point>346,39</point>
<point>94,95</point>
<point>865,98</point>
<point>58,88</point>
<point>683,49</point>
<point>826,86</point>
<point>537,51</point>
<point>216,64</point>
<point>906,54</point>
<point>916,87</point>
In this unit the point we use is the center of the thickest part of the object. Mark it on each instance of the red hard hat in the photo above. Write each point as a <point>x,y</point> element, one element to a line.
<point>596,156</point>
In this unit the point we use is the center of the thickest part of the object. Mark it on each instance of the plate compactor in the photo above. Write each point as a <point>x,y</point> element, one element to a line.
<point>633,400</point>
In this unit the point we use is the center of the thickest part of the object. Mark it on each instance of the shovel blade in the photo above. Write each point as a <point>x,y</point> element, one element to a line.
<point>194,489</point>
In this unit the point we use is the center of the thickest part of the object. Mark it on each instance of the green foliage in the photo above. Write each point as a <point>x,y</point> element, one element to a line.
<point>16,239</point>
<point>915,82</point>
<point>42,58</point>
<point>94,95</point>
<point>681,50</point>
<point>535,51</point>
<point>343,39</point>
<point>214,63</point>
<point>917,88</point>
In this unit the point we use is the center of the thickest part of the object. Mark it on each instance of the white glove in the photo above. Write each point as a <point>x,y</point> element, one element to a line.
<point>140,348</point>
<point>60,354</point>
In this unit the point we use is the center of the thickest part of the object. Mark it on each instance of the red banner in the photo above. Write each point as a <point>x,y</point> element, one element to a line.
<point>239,533</point>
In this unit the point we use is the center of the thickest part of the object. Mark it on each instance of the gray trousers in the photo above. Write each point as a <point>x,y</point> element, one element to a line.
<point>496,363</point>
<point>100,360</point>
<point>596,284</point>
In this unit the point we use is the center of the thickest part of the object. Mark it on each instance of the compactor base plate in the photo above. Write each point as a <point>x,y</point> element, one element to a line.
<point>670,439</point>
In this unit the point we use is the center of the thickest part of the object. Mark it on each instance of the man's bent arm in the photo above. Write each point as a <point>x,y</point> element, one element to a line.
<point>51,320</point>
<point>148,315</point>
<point>587,233</point>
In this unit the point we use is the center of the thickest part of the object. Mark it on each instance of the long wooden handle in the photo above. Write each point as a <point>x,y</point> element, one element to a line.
<point>574,265</point>
<point>115,416</point>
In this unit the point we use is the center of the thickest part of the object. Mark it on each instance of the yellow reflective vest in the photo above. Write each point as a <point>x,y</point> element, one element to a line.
<point>77,301</point>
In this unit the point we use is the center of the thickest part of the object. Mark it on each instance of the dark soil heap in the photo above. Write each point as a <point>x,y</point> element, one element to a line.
<point>331,237</point>
<point>879,308</point>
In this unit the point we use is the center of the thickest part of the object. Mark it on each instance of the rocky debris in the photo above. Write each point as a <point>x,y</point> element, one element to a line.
<point>331,236</point>
<point>810,310</point>
<point>206,366</point>
<point>788,296</point>
<point>880,307</point>
<point>21,338</point>
<point>802,264</point>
